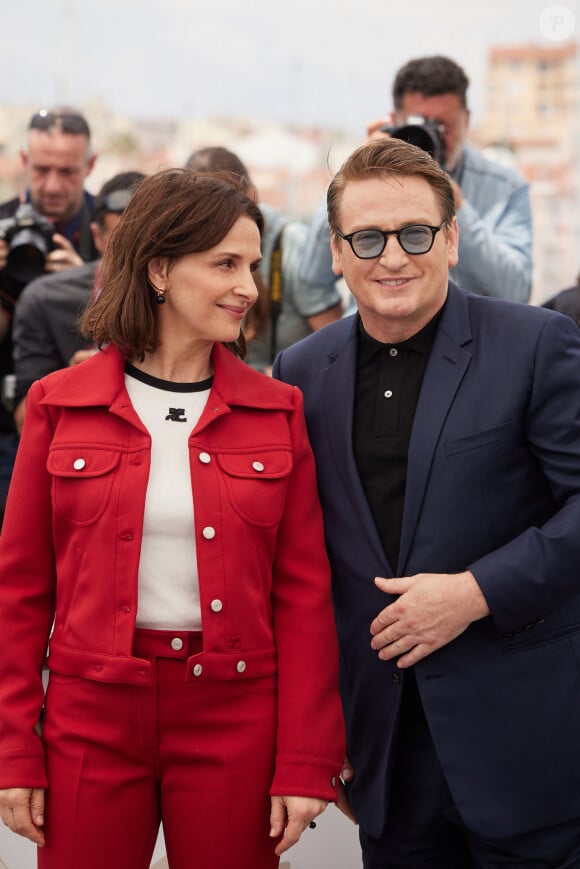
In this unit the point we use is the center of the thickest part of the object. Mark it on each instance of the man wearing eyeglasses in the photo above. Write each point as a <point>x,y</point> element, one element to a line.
<point>446,429</point>
<point>492,201</point>
<point>57,160</point>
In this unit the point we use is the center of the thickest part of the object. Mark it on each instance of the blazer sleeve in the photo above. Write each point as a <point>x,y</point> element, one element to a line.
<point>34,350</point>
<point>27,599</point>
<point>311,742</point>
<point>539,570</point>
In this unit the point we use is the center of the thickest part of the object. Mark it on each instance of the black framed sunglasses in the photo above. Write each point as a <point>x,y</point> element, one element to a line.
<point>415,239</point>
<point>68,122</point>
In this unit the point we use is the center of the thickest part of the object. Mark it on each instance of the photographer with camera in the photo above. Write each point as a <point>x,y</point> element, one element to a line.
<point>46,333</point>
<point>46,229</point>
<point>492,201</point>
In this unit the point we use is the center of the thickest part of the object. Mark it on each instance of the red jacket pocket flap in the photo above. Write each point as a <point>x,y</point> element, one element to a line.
<point>81,461</point>
<point>258,464</point>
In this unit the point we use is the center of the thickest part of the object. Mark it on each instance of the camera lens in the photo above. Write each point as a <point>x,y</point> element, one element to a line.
<point>26,255</point>
<point>423,137</point>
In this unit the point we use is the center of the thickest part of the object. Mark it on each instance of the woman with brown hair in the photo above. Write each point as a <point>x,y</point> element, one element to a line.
<point>163,529</point>
<point>286,309</point>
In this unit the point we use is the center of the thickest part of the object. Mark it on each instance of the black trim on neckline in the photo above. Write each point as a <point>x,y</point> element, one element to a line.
<point>167,385</point>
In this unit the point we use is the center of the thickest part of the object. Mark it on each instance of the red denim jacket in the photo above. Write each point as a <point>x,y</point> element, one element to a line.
<point>70,546</point>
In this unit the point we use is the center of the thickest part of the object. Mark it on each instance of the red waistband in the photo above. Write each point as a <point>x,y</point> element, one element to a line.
<point>148,643</point>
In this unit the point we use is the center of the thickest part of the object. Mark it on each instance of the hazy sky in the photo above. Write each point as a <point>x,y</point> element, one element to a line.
<point>310,62</point>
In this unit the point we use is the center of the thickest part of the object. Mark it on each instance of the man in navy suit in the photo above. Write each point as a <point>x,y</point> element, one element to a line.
<point>446,427</point>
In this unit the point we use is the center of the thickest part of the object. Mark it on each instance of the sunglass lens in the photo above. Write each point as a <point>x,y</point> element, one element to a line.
<point>416,239</point>
<point>368,244</point>
<point>68,121</point>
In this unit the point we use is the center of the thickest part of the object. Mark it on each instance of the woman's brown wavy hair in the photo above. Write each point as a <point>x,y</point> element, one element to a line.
<point>172,213</point>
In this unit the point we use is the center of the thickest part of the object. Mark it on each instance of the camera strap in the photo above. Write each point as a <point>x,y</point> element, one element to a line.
<point>275,290</point>
<point>87,250</point>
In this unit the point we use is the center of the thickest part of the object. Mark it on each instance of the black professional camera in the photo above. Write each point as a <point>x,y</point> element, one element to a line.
<point>29,237</point>
<point>423,133</point>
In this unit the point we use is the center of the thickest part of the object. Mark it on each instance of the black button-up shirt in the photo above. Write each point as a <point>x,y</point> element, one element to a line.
<point>388,383</point>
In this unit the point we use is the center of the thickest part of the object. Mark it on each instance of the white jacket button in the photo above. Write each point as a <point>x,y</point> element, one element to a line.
<point>208,532</point>
<point>205,458</point>
<point>241,666</point>
<point>216,605</point>
<point>79,464</point>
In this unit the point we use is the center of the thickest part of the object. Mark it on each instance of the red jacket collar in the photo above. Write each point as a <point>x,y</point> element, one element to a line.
<point>100,381</point>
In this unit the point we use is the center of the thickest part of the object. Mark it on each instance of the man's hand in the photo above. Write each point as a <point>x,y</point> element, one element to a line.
<point>4,324</point>
<point>3,253</point>
<point>291,816</point>
<point>18,414</point>
<point>432,609</point>
<point>63,257</point>
<point>374,128</point>
<point>82,356</point>
<point>342,801</point>
<point>22,810</point>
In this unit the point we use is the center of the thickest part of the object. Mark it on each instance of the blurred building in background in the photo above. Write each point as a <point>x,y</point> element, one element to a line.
<point>533,114</point>
<point>291,167</point>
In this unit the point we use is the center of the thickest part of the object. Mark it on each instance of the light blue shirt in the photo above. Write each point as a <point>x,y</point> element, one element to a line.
<point>299,299</point>
<point>495,230</point>
<point>495,234</point>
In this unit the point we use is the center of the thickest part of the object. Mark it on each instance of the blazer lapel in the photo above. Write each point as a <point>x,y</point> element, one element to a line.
<point>339,381</point>
<point>446,368</point>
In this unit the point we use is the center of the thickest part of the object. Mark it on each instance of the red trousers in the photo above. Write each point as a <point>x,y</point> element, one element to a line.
<point>197,755</point>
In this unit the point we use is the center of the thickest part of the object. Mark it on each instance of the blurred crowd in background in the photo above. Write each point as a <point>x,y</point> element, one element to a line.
<point>67,173</point>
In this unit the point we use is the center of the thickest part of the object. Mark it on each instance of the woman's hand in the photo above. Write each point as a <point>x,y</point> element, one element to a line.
<point>291,816</point>
<point>22,810</point>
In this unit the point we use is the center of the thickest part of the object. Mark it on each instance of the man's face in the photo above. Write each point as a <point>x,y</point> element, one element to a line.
<point>447,111</point>
<point>57,164</point>
<point>396,293</point>
<point>101,234</point>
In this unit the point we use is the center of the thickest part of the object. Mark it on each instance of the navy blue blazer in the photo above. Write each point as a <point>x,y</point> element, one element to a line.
<point>493,486</point>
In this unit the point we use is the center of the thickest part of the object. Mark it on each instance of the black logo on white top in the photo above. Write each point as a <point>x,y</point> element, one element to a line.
<point>176,414</point>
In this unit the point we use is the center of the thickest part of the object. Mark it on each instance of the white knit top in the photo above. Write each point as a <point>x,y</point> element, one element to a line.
<point>168,591</point>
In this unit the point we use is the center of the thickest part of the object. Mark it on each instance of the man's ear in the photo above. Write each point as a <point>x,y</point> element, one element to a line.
<point>336,254</point>
<point>91,164</point>
<point>23,158</point>
<point>98,239</point>
<point>452,233</point>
